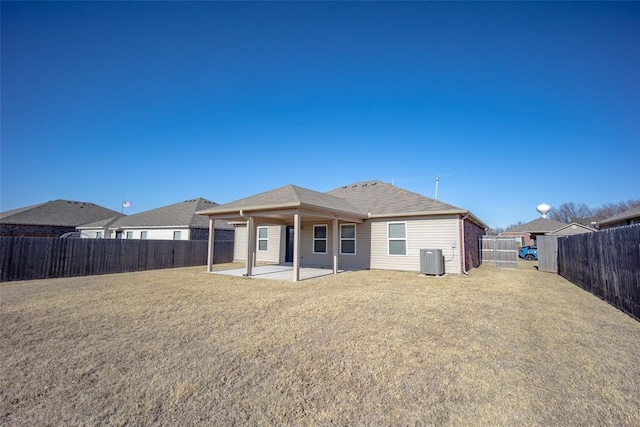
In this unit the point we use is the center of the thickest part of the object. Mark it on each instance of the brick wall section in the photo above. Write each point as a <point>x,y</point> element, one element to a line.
<point>27,230</point>
<point>472,233</point>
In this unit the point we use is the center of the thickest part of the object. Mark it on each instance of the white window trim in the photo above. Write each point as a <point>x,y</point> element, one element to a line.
<point>326,238</point>
<point>142,235</point>
<point>179,235</point>
<point>355,235</point>
<point>258,239</point>
<point>406,248</point>
<point>128,235</point>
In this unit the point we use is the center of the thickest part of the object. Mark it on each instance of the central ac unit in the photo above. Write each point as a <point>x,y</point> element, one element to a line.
<point>431,262</point>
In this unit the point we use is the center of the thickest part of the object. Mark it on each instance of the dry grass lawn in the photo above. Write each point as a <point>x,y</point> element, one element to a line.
<point>182,347</point>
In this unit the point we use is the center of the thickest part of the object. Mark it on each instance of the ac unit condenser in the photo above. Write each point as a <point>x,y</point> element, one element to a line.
<point>431,262</point>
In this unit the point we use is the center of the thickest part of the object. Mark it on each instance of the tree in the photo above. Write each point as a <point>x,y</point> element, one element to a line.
<point>610,209</point>
<point>572,212</point>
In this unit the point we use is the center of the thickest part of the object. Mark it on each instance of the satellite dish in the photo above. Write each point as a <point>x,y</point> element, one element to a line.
<point>543,208</point>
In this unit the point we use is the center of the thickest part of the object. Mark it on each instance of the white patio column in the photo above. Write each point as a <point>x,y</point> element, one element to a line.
<point>296,247</point>
<point>335,245</point>
<point>251,242</point>
<point>210,252</point>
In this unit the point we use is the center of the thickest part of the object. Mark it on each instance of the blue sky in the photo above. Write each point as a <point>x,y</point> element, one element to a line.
<point>511,104</point>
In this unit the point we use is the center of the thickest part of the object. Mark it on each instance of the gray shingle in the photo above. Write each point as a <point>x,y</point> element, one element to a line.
<point>181,214</point>
<point>628,214</point>
<point>293,196</point>
<point>540,225</point>
<point>380,198</point>
<point>59,212</point>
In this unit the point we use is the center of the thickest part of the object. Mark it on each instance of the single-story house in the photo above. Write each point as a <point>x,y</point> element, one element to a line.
<point>526,234</point>
<point>52,219</point>
<point>364,225</point>
<point>178,221</point>
<point>628,217</point>
<point>571,229</point>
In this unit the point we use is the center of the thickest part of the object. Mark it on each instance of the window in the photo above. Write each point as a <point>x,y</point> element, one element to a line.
<point>263,238</point>
<point>129,235</point>
<point>176,235</point>
<point>98,234</point>
<point>397,238</point>
<point>348,239</point>
<point>319,239</point>
<point>143,235</point>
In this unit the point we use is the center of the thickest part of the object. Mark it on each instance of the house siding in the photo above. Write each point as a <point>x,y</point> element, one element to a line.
<point>359,260</point>
<point>272,254</point>
<point>431,233</point>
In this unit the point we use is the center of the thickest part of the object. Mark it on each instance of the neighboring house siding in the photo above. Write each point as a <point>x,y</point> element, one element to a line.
<point>92,234</point>
<point>158,234</point>
<point>432,233</point>
<point>472,233</point>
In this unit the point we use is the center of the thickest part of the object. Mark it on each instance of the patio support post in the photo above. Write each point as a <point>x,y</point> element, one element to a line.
<point>335,245</point>
<point>251,242</point>
<point>296,247</point>
<point>210,252</point>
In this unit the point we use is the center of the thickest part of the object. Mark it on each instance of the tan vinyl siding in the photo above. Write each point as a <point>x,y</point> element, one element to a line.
<point>432,233</point>
<point>272,254</point>
<point>240,243</point>
<point>357,261</point>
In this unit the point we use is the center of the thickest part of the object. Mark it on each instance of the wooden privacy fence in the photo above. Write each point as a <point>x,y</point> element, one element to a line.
<point>605,263</point>
<point>499,251</point>
<point>26,258</point>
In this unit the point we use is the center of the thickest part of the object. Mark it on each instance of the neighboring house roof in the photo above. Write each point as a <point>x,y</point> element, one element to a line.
<point>633,213</point>
<point>100,224</point>
<point>181,214</point>
<point>65,213</point>
<point>540,225</point>
<point>570,229</point>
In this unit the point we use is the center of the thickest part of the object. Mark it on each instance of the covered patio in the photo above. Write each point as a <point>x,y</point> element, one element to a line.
<point>285,206</point>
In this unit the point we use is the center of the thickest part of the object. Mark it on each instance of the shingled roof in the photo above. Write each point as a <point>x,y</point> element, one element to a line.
<point>289,196</point>
<point>623,216</point>
<point>381,198</point>
<point>540,225</point>
<point>67,213</point>
<point>181,214</point>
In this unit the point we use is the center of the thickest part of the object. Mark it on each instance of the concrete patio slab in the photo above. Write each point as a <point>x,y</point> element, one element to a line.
<point>278,272</point>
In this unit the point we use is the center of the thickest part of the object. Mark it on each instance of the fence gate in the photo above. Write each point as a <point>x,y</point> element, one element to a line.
<point>547,253</point>
<point>499,251</point>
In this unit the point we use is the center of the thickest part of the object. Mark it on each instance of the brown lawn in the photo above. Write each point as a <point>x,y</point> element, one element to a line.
<point>183,347</point>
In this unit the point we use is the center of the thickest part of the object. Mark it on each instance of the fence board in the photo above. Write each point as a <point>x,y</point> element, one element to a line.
<point>499,251</point>
<point>605,263</point>
<point>26,258</point>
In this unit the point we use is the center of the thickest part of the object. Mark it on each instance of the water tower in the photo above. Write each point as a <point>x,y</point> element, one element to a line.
<point>543,208</point>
